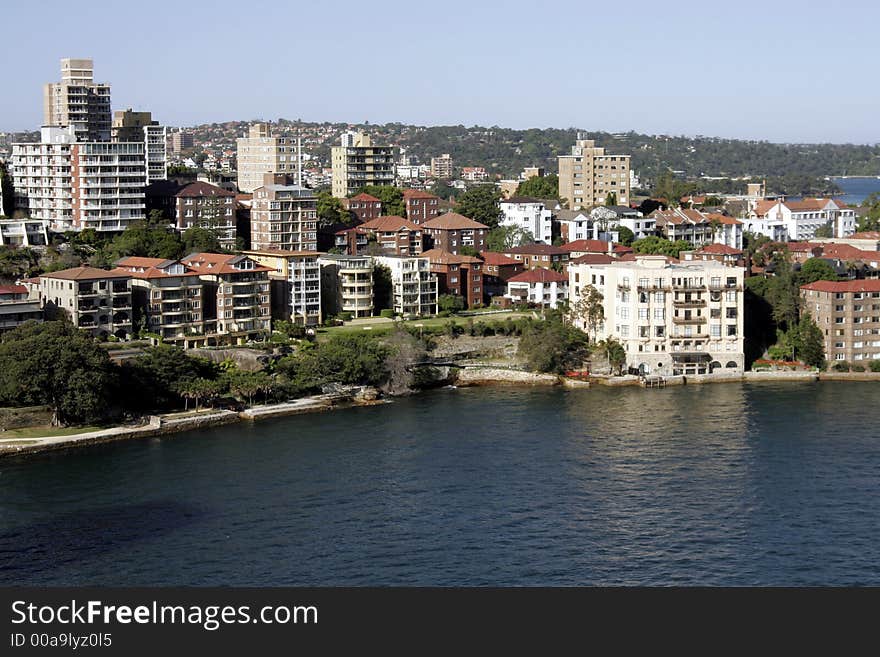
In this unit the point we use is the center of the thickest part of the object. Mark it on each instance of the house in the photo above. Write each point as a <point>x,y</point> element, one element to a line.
<point>452,231</point>
<point>458,274</point>
<point>848,314</point>
<point>352,241</point>
<point>671,318</point>
<point>579,248</point>
<point>544,287</point>
<point>96,300</point>
<point>717,252</point>
<point>528,214</point>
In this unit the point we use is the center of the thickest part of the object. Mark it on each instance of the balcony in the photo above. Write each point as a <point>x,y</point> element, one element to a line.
<point>689,303</point>
<point>689,320</point>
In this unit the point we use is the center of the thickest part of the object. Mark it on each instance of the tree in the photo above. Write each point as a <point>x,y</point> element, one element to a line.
<point>825,230</point>
<point>451,302</point>
<point>503,238</point>
<point>611,199</point>
<point>540,187</point>
<point>625,235</point>
<point>347,359</point>
<point>816,269</point>
<point>404,351</point>
<point>18,262</point>
<point>589,309</point>
<point>615,353</point>
<point>443,189</point>
<point>783,293</point>
<point>552,345</point>
<point>330,210</point>
<point>809,343</point>
<point>152,380</point>
<point>56,364</point>
<point>382,288</point>
<point>144,240</point>
<point>481,203</point>
<point>654,245</point>
<point>391,197</point>
<point>201,240</point>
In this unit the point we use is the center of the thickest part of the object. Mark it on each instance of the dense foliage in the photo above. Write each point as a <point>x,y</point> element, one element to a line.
<point>480,203</point>
<point>553,345</point>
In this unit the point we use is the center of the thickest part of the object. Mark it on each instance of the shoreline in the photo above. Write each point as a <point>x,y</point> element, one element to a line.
<point>179,422</point>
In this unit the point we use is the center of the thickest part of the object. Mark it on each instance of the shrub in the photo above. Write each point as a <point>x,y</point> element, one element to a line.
<point>874,365</point>
<point>387,312</point>
<point>840,366</point>
<point>345,316</point>
<point>858,368</point>
<point>444,313</point>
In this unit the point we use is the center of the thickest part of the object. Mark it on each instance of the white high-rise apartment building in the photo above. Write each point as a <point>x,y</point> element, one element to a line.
<point>136,126</point>
<point>672,319</point>
<point>413,285</point>
<point>77,185</point>
<point>357,163</point>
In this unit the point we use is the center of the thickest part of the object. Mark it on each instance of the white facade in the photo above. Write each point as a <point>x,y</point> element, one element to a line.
<point>671,318</point>
<point>23,232</point>
<point>77,185</point>
<point>548,294</point>
<point>414,286</point>
<point>156,152</point>
<point>530,215</point>
<point>799,220</point>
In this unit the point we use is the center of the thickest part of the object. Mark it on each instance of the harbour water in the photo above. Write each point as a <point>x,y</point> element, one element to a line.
<point>856,190</point>
<point>735,484</point>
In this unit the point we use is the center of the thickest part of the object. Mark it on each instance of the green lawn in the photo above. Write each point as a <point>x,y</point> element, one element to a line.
<point>383,326</point>
<point>44,432</point>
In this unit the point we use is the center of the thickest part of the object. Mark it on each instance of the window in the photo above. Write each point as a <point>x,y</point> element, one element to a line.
<point>644,332</point>
<point>731,313</point>
<point>715,330</point>
<point>659,297</point>
<point>659,313</point>
<point>731,330</point>
<point>659,331</point>
<point>643,313</point>
<point>730,295</point>
<point>624,331</point>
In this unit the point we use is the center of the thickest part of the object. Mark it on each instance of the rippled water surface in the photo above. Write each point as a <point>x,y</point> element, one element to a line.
<point>721,484</point>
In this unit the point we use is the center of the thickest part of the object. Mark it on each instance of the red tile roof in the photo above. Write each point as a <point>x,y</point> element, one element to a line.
<point>85,273</point>
<point>363,196</point>
<point>620,249</point>
<point>199,188</point>
<point>721,249</point>
<point>13,289</point>
<point>866,285</point>
<point>539,275</point>
<point>586,246</point>
<point>537,249</point>
<point>417,193</point>
<point>594,259</point>
<point>390,224</point>
<point>453,221</point>
<point>866,235</point>
<point>497,259</point>
<point>445,258</point>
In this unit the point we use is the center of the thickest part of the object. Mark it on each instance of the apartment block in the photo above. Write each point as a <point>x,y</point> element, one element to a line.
<point>74,186</point>
<point>413,285</point>
<point>698,227</point>
<point>358,163</point>
<point>441,167</point>
<point>420,206</point>
<point>497,270</point>
<point>395,235</point>
<point>458,274</point>
<point>179,140</point>
<point>203,205</point>
<point>78,101</point>
<point>346,285</point>
<point>588,175</point>
<point>539,255</point>
<point>545,288</point>
<point>16,307</point>
<point>451,231</point>
<point>260,153</point>
<point>799,220</point>
<point>23,232</point>
<point>848,314</point>
<point>529,214</point>
<point>96,300</point>
<point>284,216</point>
<point>167,299</point>
<point>363,206</point>
<point>236,303</point>
<point>133,126</point>
<point>672,319</point>
<point>296,284</point>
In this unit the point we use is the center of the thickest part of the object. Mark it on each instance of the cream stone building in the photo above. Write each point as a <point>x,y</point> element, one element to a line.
<point>588,175</point>
<point>359,162</point>
<point>671,318</point>
<point>262,152</point>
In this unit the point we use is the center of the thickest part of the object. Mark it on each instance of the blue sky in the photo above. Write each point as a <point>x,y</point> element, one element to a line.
<point>801,71</point>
